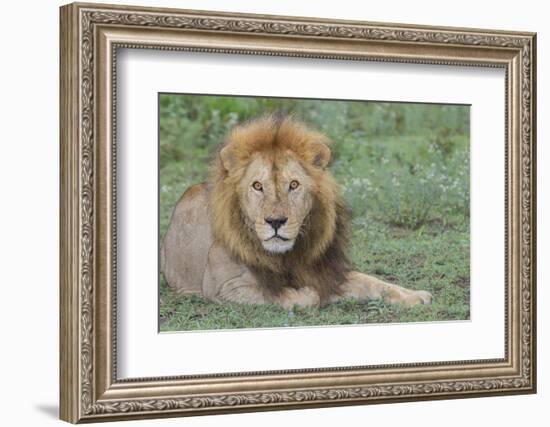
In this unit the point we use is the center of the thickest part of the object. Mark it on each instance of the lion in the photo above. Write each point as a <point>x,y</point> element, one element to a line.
<point>270,226</point>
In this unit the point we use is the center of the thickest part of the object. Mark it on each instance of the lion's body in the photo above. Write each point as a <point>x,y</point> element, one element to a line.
<point>269,227</point>
<point>188,240</point>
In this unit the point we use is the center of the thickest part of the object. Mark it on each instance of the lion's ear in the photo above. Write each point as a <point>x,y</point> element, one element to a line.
<point>321,155</point>
<point>227,157</point>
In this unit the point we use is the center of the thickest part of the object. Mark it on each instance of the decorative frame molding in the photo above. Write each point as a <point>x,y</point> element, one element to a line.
<point>90,36</point>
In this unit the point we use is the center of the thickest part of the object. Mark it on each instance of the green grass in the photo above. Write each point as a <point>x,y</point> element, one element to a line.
<point>404,171</point>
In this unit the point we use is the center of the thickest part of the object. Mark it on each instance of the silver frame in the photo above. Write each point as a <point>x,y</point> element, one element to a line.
<point>90,37</point>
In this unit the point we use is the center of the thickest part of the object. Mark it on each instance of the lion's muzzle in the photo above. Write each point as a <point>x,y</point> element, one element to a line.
<point>276,223</point>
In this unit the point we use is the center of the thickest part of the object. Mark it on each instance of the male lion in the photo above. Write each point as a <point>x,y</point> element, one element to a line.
<point>270,226</point>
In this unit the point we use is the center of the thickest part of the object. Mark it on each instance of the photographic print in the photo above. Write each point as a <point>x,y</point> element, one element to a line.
<point>278,212</point>
<point>306,197</point>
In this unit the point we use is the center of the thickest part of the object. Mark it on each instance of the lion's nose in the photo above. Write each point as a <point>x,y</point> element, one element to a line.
<point>276,223</point>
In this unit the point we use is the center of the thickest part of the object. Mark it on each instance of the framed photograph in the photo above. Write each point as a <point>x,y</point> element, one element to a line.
<point>267,212</point>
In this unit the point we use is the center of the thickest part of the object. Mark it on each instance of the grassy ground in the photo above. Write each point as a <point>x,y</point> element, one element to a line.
<point>404,171</point>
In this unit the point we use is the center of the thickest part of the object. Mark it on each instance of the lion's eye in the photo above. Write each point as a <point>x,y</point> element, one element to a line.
<point>256,185</point>
<point>294,184</point>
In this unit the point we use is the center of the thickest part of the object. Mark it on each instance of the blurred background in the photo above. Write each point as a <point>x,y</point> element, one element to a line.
<point>403,169</point>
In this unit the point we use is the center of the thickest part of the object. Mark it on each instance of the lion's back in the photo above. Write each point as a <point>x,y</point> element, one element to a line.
<point>187,241</point>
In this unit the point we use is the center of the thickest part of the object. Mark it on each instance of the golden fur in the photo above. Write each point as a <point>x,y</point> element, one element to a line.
<point>270,226</point>
<point>318,259</point>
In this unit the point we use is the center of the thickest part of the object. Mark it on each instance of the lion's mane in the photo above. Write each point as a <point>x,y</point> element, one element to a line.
<point>319,257</point>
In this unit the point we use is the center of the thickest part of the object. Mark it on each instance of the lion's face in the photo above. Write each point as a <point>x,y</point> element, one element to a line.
<point>273,194</point>
<point>275,198</point>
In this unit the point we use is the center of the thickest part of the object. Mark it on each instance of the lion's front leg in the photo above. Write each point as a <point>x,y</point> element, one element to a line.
<point>362,286</point>
<point>228,281</point>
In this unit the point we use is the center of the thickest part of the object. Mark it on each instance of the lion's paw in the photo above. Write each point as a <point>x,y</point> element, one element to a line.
<point>302,297</point>
<point>419,297</point>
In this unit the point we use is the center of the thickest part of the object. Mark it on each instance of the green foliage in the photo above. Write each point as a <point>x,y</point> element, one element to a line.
<point>404,172</point>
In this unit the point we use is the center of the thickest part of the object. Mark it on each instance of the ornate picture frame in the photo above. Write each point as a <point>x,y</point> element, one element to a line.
<point>90,37</point>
